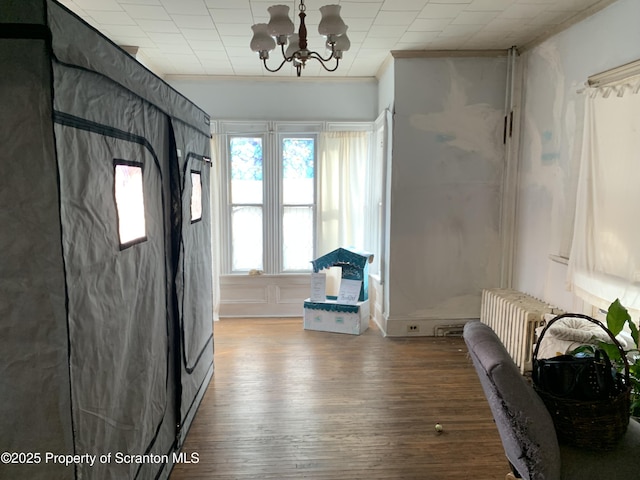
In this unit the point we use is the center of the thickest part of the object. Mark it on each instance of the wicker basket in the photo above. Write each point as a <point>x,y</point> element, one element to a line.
<point>591,424</point>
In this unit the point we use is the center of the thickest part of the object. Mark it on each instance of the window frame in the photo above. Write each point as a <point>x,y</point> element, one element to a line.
<point>281,205</point>
<point>272,134</point>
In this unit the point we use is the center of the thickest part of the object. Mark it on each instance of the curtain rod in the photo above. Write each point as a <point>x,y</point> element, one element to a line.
<point>614,74</point>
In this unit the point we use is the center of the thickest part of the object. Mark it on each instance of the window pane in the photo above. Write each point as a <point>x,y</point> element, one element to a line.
<point>297,237</point>
<point>196,196</point>
<point>246,169</point>
<point>129,203</point>
<point>297,171</point>
<point>246,232</point>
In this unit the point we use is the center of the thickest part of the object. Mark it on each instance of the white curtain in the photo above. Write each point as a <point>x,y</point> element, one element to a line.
<point>215,188</point>
<point>342,193</point>
<point>605,254</point>
<point>342,190</point>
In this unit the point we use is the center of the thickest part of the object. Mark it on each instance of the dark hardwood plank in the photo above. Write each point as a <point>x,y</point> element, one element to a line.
<point>285,403</point>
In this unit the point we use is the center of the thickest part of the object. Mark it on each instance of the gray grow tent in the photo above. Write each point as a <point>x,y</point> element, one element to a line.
<point>106,309</point>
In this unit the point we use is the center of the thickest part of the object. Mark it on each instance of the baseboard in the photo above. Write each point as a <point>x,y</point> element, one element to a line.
<point>425,327</point>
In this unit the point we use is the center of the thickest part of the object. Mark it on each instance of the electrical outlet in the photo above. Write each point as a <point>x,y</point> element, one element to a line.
<point>413,328</point>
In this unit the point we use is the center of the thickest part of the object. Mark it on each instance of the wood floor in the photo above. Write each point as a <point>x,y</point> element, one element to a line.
<point>288,403</point>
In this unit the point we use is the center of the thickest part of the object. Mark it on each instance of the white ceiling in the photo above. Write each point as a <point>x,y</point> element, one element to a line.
<point>211,37</point>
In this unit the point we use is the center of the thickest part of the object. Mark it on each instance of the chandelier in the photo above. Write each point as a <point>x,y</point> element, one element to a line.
<point>280,31</point>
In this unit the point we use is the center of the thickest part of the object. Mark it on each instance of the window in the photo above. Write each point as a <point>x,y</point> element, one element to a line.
<point>272,201</point>
<point>292,192</point>
<point>298,202</point>
<point>605,256</point>
<point>246,172</point>
<point>196,196</point>
<point>129,198</point>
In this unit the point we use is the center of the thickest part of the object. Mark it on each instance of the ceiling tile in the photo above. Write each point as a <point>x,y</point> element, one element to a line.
<point>185,7</point>
<point>546,18</point>
<point>110,18</point>
<point>142,2</point>
<point>194,34</point>
<point>394,18</point>
<point>474,18</point>
<point>418,37</point>
<point>162,39</point>
<point>146,12</point>
<point>207,56</point>
<point>230,15</point>
<point>237,42</point>
<point>158,26</point>
<point>130,31</point>
<point>385,31</point>
<point>231,4</point>
<point>570,5</point>
<point>429,25</point>
<point>352,9</point>
<point>384,44</point>
<point>104,5</point>
<point>454,30</point>
<point>359,24</point>
<point>193,21</point>
<point>233,29</point>
<point>436,10</point>
<point>488,5</point>
<point>522,11</point>
<point>404,5</point>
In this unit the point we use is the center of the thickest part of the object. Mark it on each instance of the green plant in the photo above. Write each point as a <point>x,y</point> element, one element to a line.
<point>617,317</point>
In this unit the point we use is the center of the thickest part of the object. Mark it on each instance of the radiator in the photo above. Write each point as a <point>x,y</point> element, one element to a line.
<point>514,316</point>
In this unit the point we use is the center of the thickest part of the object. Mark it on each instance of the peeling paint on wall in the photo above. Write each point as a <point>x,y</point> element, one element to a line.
<point>445,199</point>
<point>469,127</point>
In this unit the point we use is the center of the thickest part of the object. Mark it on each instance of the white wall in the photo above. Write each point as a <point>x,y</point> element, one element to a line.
<point>445,189</point>
<point>386,88</point>
<point>551,141</point>
<point>282,98</point>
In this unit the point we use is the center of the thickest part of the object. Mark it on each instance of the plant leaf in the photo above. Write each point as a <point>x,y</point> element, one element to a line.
<point>612,351</point>
<point>634,331</point>
<point>617,316</point>
<point>589,349</point>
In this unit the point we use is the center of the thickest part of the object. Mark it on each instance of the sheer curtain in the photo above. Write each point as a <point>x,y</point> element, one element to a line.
<point>216,254</point>
<point>342,193</point>
<point>605,254</point>
<point>343,172</point>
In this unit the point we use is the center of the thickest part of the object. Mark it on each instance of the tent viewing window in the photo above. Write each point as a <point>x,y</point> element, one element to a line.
<point>196,196</point>
<point>129,199</point>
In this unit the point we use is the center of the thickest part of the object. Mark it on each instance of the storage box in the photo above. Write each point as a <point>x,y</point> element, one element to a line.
<point>334,317</point>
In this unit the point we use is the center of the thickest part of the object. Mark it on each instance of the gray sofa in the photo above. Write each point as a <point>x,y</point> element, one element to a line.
<point>526,428</point>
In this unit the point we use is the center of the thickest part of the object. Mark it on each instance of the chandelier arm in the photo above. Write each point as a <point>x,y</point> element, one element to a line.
<point>264,62</point>
<point>322,61</point>
<point>317,56</point>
